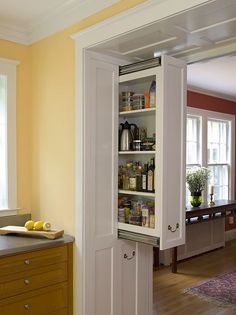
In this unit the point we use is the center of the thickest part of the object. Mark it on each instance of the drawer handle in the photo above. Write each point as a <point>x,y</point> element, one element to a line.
<point>173,230</point>
<point>27,281</point>
<point>27,306</point>
<point>27,262</point>
<point>131,257</point>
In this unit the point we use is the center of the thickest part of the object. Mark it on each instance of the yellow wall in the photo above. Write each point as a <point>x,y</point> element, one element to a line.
<point>14,51</point>
<point>53,122</point>
<point>46,121</point>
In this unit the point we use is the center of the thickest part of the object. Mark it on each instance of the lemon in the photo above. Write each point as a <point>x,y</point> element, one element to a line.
<point>29,225</point>
<point>47,226</point>
<point>38,225</point>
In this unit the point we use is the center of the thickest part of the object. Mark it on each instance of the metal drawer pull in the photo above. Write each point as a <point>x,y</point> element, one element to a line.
<point>173,230</point>
<point>27,262</point>
<point>27,281</point>
<point>131,257</point>
<point>27,306</point>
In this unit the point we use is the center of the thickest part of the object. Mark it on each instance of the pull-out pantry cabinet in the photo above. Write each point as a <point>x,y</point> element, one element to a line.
<point>165,120</point>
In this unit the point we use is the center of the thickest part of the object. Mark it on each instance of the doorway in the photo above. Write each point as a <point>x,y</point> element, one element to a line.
<point>158,29</point>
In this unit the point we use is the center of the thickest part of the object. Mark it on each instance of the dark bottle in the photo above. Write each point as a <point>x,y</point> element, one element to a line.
<point>144,177</point>
<point>139,177</point>
<point>151,175</point>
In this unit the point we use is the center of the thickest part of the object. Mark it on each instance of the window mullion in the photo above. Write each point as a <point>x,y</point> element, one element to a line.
<point>204,141</point>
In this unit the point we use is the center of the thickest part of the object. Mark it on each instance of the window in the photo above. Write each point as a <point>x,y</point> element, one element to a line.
<point>210,143</point>
<point>7,134</point>
<point>3,142</point>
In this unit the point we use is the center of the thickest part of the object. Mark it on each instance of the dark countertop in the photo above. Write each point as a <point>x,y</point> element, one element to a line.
<point>13,244</point>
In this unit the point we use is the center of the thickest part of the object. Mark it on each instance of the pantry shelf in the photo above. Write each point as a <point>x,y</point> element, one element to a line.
<point>136,193</point>
<point>136,152</point>
<point>137,229</point>
<point>138,111</point>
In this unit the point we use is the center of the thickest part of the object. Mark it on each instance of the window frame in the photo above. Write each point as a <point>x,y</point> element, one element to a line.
<point>8,68</point>
<point>205,115</point>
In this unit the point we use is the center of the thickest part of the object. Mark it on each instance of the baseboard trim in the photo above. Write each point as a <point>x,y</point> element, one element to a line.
<point>201,251</point>
<point>230,235</point>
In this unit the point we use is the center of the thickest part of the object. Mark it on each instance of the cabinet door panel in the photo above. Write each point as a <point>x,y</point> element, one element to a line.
<point>137,277</point>
<point>171,122</point>
<point>100,172</point>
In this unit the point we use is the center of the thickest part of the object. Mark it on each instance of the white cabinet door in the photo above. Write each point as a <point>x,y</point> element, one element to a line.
<point>137,278</point>
<point>100,146</point>
<point>171,124</point>
<point>106,286</point>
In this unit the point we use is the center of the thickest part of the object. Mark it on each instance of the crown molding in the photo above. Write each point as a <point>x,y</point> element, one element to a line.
<point>57,19</point>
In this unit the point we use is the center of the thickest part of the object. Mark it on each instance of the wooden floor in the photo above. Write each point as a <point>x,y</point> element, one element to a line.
<point>168,298</point>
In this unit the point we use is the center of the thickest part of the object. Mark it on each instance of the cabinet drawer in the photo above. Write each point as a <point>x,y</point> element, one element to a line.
<point>31,260</point>
<point>47,301</point>
<point>18,283</point>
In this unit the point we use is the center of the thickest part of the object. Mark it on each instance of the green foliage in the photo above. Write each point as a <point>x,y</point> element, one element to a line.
<point>196,178</point>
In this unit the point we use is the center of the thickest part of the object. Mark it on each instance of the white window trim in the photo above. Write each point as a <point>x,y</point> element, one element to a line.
<point>8,68</point>
<point>206,114</point>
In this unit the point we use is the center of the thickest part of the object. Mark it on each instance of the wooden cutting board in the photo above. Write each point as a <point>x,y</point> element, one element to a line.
<point>53,234</point>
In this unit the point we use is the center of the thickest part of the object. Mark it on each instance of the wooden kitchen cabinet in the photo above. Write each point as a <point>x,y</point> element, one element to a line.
<point>37,282</point>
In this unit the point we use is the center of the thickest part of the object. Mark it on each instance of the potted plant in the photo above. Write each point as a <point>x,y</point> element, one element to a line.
<point>196,179</point>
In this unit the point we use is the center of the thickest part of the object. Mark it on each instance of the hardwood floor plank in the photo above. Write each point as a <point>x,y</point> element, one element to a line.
<point>168,297</point>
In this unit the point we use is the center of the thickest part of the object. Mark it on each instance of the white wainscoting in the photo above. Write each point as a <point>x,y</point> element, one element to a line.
<point>200,238</point>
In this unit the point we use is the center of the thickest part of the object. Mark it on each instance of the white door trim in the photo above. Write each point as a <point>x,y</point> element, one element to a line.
<point>140,16</point>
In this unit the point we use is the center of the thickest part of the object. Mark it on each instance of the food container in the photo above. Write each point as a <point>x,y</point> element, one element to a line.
<point>121,214</point>
<point>135,220</point>
<point>145,216</point>
<point>137,145</point>
<point>148,144</point>
<point>127,208</point>
<point>146,99</point>
<point>127,101</point>
<point>138,101</point>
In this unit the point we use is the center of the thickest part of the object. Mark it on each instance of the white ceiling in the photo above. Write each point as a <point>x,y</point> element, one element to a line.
<point>215,76</point>
<point>27,21</point>
<point>207,28</point>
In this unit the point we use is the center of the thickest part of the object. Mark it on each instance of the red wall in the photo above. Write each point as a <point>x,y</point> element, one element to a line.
<point>207,102</point>
<point>216,104</point>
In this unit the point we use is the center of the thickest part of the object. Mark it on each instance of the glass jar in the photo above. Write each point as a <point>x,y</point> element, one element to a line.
<point>127,101</point>
<point>138,101</point>
<point>137,145</point>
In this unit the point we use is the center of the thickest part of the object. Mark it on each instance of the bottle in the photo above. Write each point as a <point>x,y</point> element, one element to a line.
<point>151,172</point>
<point>127,209</point>
<point>125,181</point>
<point>144,177</point>
<point>138,177</point>
<point>120,177</point>
<point>146,99</point>
<point>132,179</point>
<point>152,93</point>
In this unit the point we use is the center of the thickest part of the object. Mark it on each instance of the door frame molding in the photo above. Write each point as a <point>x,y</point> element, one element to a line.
<point>135,18</point>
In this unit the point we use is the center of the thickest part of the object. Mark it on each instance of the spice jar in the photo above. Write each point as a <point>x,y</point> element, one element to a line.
<point>137,145</point>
